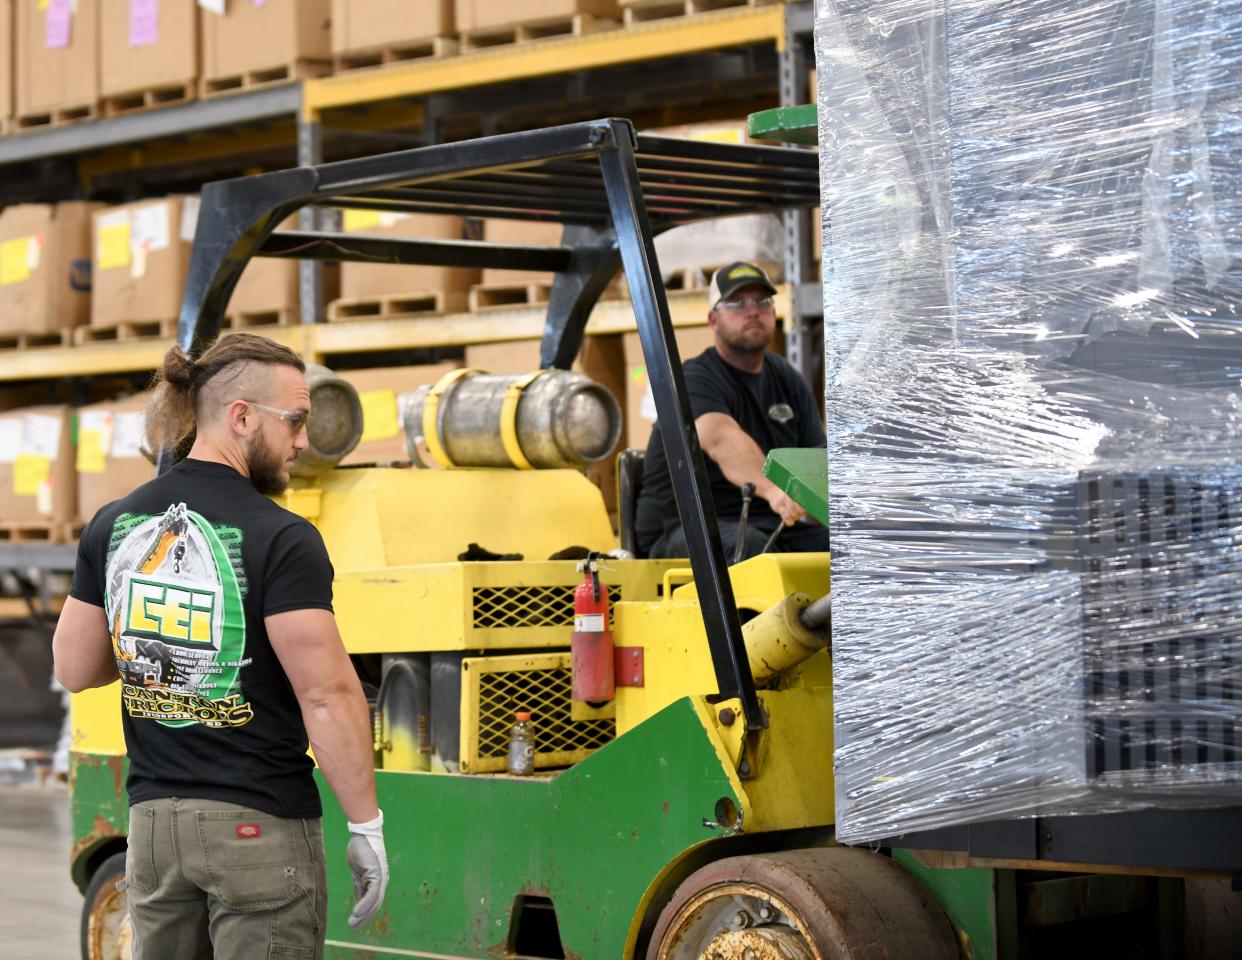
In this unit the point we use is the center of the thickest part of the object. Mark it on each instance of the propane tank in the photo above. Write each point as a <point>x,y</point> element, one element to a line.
<point>335,424</point>
<point>547,419</point>
<point>591,642</point>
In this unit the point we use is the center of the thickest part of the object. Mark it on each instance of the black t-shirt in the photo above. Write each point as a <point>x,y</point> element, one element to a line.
<point>774,407</point>
<point>186,568</point>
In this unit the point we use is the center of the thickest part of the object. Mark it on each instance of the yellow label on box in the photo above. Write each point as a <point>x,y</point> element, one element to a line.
<point>113,246</point>
<point>15,260</point>
<point>355,221</point>
<point>90,452</point>
<point>30,472</point>
<point>379,415</point>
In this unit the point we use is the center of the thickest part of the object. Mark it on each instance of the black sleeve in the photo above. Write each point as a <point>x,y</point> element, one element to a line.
<point>298,574</point>
<point>708,394</point>
<point>810,426</point>
<point>88,570</point>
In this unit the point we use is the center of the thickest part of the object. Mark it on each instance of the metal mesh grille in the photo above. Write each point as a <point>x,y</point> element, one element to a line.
<point>559,739</point>
<point>1161,559</point>
<point>527,606</point>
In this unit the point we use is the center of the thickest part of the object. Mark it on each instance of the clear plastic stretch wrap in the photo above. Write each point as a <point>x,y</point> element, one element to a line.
<point>1032,301</point>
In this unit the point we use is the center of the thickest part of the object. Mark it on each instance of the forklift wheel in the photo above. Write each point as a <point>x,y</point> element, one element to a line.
<point>831,903</point>
<point>106,932</point>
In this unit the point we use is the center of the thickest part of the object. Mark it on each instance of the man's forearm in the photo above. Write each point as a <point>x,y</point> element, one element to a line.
<point>739,459</point>
<point>339,729</point>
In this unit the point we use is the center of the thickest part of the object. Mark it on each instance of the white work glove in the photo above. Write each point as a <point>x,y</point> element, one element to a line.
<point>368,862</point>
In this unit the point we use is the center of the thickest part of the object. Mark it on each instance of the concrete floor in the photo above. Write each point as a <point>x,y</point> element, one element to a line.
<point>39,905</point>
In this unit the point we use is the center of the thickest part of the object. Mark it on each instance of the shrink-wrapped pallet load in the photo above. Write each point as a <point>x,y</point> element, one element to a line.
<point>1032,295</point>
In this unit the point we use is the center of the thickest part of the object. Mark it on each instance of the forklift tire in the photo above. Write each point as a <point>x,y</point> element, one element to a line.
<point>830,903</point>
<point>106,933</point>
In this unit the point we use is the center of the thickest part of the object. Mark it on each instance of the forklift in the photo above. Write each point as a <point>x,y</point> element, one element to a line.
<point>685,807</point>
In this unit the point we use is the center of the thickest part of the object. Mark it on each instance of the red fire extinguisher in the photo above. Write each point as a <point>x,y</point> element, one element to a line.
<point>591,645</point>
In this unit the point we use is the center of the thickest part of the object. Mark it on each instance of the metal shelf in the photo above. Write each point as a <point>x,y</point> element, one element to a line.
<point>639,42</point>
<point>320,341</point>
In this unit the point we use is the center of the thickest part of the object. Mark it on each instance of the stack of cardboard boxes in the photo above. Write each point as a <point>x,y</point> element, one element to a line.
<point>367,33</point>
<point>38,483</point>
<point>379,289</point>
<point>481,16</point>
<point>148,53</point>
<point>140,253</point>
<point>251,42</point>
<point>45,272</point>
<point>57,61</point>
<point>109,458</point>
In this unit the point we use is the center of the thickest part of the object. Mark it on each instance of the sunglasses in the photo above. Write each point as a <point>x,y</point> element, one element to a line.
<point>294,419</point>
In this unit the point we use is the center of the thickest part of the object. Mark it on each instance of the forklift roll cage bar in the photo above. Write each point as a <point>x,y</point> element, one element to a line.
<point>613,190</point>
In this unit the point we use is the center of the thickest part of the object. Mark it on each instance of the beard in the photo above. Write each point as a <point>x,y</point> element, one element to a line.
<point>751,340</point>
<point>267,472</point>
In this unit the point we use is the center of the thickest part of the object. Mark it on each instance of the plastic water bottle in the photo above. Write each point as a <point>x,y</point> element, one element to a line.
<point>522,746</point>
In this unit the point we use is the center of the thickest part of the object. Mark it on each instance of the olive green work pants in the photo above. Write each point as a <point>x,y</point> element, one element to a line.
<point>207,879</point>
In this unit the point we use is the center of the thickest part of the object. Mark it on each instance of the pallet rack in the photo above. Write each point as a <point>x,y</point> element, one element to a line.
<point>740,56</point>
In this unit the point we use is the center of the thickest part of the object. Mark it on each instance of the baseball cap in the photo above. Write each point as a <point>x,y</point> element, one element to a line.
<point>729,279</point>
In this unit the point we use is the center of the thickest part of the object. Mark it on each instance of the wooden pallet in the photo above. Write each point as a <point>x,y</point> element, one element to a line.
<point>429,304</point>
<point>433,48</point>
<point>148,98</point>
<point>641,11</point>
<point>20,341</point>
<point>303,69</point>
<point>133,330</point>
<point>500,296</point>
<point>577,25</point>
<point>32,532</point>
<point>285,316</point>
<point>60,117</point>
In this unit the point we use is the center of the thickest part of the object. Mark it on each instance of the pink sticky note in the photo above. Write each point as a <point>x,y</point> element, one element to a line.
<point>144,22</point>
<point>57,25</point>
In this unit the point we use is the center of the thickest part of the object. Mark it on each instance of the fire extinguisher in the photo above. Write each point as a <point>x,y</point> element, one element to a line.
<point>591,645</point>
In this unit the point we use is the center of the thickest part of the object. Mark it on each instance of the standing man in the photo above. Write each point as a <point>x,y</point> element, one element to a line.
<point>213,607</point>
<point>745,402</point>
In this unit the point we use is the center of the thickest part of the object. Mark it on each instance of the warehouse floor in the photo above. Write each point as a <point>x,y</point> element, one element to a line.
<point>39,905</point>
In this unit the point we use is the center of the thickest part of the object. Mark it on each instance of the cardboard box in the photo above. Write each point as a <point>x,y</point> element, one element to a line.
<point>45,267</point>
<point>260,36</point>
<point>7,67</point>
<point>532,232</point>
<point>601,358</point>
<point>57,57</point>
<point>139,255</point>
<point>369,24</point>
<point>381,391</point>
<point>146,45</point>
<point>109,459</point>
<point>639,403</point>
<point>483,14</point>
<point>361,281</point>
<point>37,478</point>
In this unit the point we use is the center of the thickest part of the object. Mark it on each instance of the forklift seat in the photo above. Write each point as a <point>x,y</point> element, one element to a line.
<point>629,483</point>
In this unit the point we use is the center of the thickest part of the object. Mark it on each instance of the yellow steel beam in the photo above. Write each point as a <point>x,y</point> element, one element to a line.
<point>638,42</point>
<point>120,356</point>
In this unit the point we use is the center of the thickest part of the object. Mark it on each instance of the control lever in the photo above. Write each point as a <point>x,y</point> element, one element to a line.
<point>780,525</point>
<point>748,491</point>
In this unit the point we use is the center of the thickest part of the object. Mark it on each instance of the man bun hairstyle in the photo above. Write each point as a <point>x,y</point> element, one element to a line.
<point>172,418</point>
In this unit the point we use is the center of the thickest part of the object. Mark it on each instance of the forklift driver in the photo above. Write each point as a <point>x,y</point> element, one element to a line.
<point>746,402</point>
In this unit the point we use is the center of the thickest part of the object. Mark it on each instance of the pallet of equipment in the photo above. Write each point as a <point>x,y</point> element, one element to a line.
<point>72,532</point>
<point>433,48</point>
<point>32,532</point>
<point>60,117</point>
<point>21,341</point>
<point>576,25</point>
<point>149,98</point>
<point>132,330</point>
<point>285,316</point>
<point>641,11</point>
<point>303,69</point>
<point>496,296</point>
<point>429,304</point>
